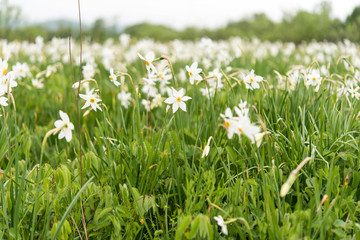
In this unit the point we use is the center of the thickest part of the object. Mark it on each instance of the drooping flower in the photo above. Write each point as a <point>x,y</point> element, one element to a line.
<point>206,148</point>
<point>193,72</point>
<point>177,99</point>
<point>64,126</point>
<point>37,83</point>
<point>149,58</point>
<point>113,78</point>
<point>220,221</point>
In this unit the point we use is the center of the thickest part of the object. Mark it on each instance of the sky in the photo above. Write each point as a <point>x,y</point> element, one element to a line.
<point>175,13</point>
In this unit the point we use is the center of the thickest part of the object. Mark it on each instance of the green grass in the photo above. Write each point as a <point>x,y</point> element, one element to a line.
<point>143,174</point>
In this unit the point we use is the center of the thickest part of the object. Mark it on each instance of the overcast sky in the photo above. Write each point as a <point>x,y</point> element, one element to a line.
<point>175,13</point>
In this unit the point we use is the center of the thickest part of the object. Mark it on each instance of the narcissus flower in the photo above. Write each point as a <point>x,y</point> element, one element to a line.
<point>124,98</point>
<point>64,126</point>
<point>91,100</point>
<point>313,78</point>
<point>113,78</point>
<point>193,72</point>
<point>220,221</point>
<point>252,80</point>
<point>177,99</point>
<point>3,101</point>
<point>149,58</point>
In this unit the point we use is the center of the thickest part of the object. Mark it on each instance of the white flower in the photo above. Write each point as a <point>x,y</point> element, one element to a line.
<point>88,71</point>
<point>193,72</point>
<point>65,126</point>
<point>313,78</point>
<point>220,221</point>
<point>91,100</point>
<point>3,101</point>
<point>149,58</point>
<point>124,98</point>
<point>3,67</point>
<point>37,83</point>
<point>177,99</point>
<point>7,81</point>
<point>21,70</point>
<point>206,148</point>
<point>113,78</point>
<point>252,80</point>
<point>230,123</point>
<point>149,88</point>
<point>245,127</point>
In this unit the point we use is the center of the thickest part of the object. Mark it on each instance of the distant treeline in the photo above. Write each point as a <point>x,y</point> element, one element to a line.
<point>298,27</point>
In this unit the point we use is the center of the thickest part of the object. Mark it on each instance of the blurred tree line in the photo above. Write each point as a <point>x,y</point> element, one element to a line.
<point>297,27</point>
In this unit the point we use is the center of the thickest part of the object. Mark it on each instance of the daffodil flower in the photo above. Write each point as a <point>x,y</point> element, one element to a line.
<point>113,78</point>
<point>64,126</point>
<point>177,99</point>
<point>193,72</point>
<point>220,221</point>
<point>91,100</point>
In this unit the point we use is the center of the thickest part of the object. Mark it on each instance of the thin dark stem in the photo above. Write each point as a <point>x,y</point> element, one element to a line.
<point>77,98</point>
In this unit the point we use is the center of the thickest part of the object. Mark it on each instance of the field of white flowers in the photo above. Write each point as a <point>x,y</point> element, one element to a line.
<point>234,139</point>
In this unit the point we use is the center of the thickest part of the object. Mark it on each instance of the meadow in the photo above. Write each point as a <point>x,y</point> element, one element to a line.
<point>136,139</point>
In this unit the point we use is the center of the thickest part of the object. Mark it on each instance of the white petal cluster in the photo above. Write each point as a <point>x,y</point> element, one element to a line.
<point>64,126</point>
<point>239,124</point>
<point>177,99</point>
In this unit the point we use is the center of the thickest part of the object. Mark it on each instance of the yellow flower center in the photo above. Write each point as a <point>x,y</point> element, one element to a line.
<point>4,72</point>
<point>178,99</point>
<point>190,73</point>
<point>21,70</point>
<point>240,130</point>
<point>314,79</point>
<point>227,124</point>
<point>147,63</point>
<point>92,100</point>
<point>111,78</point>
<point>251,79</point>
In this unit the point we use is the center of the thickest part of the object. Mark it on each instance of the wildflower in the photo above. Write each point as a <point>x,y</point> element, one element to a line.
<point>21,70</point>
<point>220,221</point>
<point>177,99</point>
<point>242,110</point>
<point>124,98</point>
<point>3,67</point>
<point>37,83</point>
<point>313,78</point>
<point>64,126</point>
<point>245,127</point>
<point>88,71</point>
<point>147,104</point>
<point>91,100</point>
<point>229,123</point>
<point>252,80</point>
<point>193,72</point>
<point>3,101</point>
<point>149,88</point>
<point>258,138</point>
<point>149,58</point>
<point>7,82</point>
<point>113,78</point>
<point>206,148</point>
